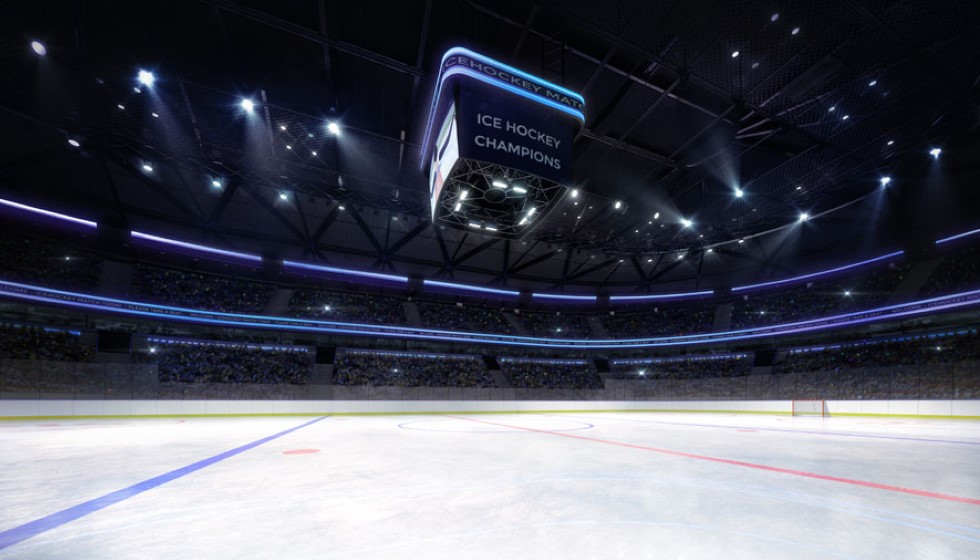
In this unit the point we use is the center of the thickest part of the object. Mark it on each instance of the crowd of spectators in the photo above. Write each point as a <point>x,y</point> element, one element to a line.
<point>464,318</point>
<point>373,309</point>
<point>957,272</point>
<point>907,351</point>
<point>411,370</point>
<point>27,260</point>
<point>31,343</point>
<point>205,363</point>
<point>532,374</point>
<point>661,321</point>
<point>555,324</point>
<point>699,367</point>
<point>816,299</point>
<point>199,291</point>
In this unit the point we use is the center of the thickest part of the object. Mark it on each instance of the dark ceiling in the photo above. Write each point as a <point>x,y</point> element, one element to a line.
<point>823,99</point>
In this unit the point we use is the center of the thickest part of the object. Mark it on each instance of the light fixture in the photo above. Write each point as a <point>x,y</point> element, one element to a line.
<point>326,307</point>
<point>740,241</point>
<point>289,147</point>
<point>872,83</point>
<point>656,215</point>
<point>795,31</point>
<point>74,143</point>
<point>774,17</point>
<point>39,48</point>
<point>458,206</point>
<point>153,349</point>
<point>890,143</point>
<point>341,208</point>
<point>574,193</point>
<point>755,65</point>
<point>532,211</point>
<point>523,221</point>
<point>710,250</point>
<point>282,127</point>
<point>283,196</point>
<point>847,293</point>
<point>121,107</point>
<point>248,105</point>
<point>155,115</point>
<point>935,152</point>
<point>333,128</point>
<point>680,257</point>
<point>146,78</point>
<point>734,54</point>
<point>499,184</point>
<point>216,183</point>
<point>148,168</point>
<point>313,153</point>
<point>686,223</point>
<point>804,216</point>
<point>519,190</point>
<point>799,187</point>
<point>832,109</point>
<point>474,225</point>
<point>845,117</point>
<point>885,181</point>
<point>739,192</point>
<point>463,194</point>
<point>618,205</point>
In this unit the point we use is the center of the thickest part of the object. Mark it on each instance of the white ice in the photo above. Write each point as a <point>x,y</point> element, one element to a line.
<point>571,485</point>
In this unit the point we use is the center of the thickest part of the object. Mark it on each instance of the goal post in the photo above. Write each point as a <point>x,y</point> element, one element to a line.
<point>810,407</point>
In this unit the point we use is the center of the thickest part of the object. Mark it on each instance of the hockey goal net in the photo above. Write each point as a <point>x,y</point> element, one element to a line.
<point>810,407</point>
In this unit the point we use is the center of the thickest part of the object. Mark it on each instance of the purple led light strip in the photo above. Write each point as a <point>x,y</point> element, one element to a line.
<point>98,303</point>
<point>48,213</point>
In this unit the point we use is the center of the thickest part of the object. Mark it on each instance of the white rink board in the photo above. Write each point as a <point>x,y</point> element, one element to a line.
<point>47,408</point>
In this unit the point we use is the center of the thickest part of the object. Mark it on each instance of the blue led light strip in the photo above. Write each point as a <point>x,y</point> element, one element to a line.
<point>164,312</point>
<point>468,287</point>
<point>656,297</point>
<point>345,271</point>
<point>48,213</point>
<point>957,236</point>
<point>817,274</point>
<point>566,297</point>
<point>194,246</point>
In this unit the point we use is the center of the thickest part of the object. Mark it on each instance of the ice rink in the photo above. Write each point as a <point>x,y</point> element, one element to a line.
<point>570,485</point>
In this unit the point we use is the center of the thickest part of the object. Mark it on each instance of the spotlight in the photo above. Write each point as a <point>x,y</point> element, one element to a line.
<point>146,78</point>
<point>795,31</point>
<point>734,54</point>
<point>832,109</point>
<point>341,208</point>
<point>774,18</point>
<point>740,241</point>
<point>121,107</point>
<point>521,190</point>
<point>282,127</point>
<point>739,192</point>
<point>326,308</point>
<point>686,223</point>
<point>755,65</point>
<point>463,194</point>
<point>804,216</point>
<point>656,215</point>
<point>574,193</point>
<point>847,293</point>
<point>216,183</point>
<point>283,196</point>
<point>532,211</point>
<point>710,251</point>
<point>148,168</point>
<point>458,206</point>
<point>885,181</point>
<point>333,128</point>
<point>935,152</point>
<point>153,349</point>
<point>313,153</point>
<point>289,147</point>
<point>618,205</point>
<point>890,143</point>
<point>248,105</point>
<point>499,184</point>
<point>155,115</point>
<point>845,117</point>
<point>73,143</point>
<point>872,83</point>
<point>39,48</point>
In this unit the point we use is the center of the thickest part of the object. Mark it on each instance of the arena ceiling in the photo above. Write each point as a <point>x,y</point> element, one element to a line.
<point>798,106</point>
